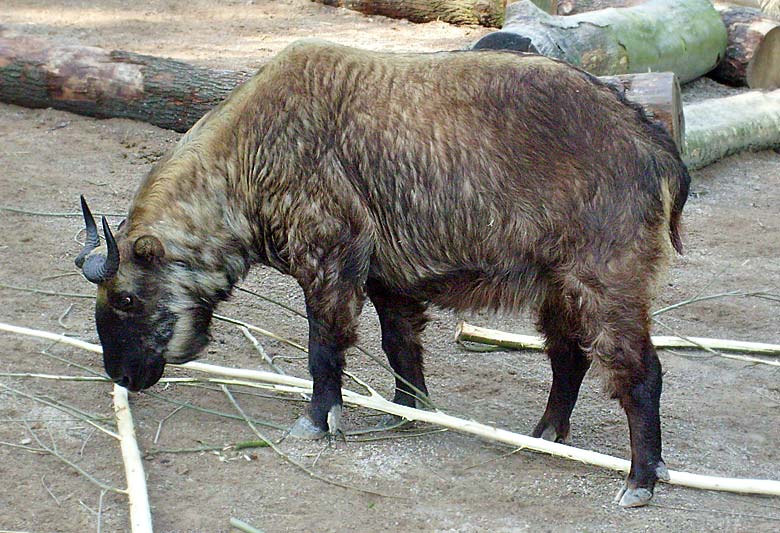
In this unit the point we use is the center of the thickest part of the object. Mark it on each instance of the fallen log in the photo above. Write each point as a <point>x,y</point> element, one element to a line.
<point>573,7</point>
<point>721,127</point>
<point>100,83</point>
<point>770,7</point>
<point>548,6</point>
<point>659,95</point>
<point>686,37</point>
<point>483,12</point>
<point>174,95</point>
<point>753,50</point>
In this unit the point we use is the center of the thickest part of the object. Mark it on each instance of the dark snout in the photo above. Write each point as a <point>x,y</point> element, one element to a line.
<point>136,375</point>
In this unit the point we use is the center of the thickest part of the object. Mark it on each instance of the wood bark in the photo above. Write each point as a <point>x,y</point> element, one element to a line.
<point>548,6</point>
<point>720,127</point>
<point>101,83</point>
<point>483,12</point>
<point>753,50</point>
<point>659,94</point>
<point>686,37</point>
<point>573,7</point>
<point>769,7</point>
<point>174,95</point>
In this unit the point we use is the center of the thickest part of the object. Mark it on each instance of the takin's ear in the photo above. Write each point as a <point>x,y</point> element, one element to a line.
<point>148,249</point>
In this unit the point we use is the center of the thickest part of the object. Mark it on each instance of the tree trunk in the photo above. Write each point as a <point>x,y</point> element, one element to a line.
<point>548,6</point>
<point>484,12</point>
<point>659,95</point>
<point>721,127</point>
<point>100,83</point>
<point>174,95</point>
<point>573,7</point>
<point>753,51</point>
<point>686,37</point>
<point>769,7</point>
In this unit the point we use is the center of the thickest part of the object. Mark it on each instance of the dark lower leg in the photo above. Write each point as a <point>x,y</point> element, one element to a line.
<point>642,405</point>
<point>569,366</point>
<point>640,397</point>
<point>402,321</point>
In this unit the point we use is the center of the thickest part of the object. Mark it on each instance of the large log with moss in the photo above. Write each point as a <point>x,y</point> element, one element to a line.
<point>573,7</point>
<point>101,83</point>
<point>753,50</point>
<point>484,12</point>
<point>769,7</point>
<point>686,37</point>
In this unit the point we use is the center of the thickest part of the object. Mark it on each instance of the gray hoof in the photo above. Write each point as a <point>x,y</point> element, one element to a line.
<point>637,497</point>
<point>305,429</point>
<point>388,422</point>
<point>662,472</point>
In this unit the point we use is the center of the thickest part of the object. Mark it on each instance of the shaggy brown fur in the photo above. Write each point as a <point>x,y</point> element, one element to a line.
<point>466,180</point>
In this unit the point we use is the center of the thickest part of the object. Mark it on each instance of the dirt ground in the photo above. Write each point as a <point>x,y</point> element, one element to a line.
<point>719,416</point>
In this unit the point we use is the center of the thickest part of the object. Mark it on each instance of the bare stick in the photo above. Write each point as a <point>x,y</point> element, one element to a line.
<point>375,401</point>
<point>260,350</point>
<point>140,514</point>
<point>160,424</point>
<point>243,526</point>
<point>468,332</point>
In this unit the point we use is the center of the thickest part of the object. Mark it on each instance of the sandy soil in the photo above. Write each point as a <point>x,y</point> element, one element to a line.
<point>719,416</point>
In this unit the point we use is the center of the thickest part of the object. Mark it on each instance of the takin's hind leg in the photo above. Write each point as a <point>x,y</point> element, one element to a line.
<point>615,326</point>
<point>638,388</point>
<point>402,320</point>
<point>569,366</point>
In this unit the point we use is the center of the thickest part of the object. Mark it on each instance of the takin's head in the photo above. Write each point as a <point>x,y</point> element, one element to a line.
<point>149,311</point>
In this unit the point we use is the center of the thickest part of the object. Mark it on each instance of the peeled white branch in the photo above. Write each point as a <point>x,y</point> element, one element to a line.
<point>376,402</point>
<point>140,514</point>
<point>467,332</point>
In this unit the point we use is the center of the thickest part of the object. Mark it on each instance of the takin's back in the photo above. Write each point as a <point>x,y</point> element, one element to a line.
<point>456,161</point>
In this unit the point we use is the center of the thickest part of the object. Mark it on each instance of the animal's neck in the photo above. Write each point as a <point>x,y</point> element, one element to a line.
<point>192,207</point>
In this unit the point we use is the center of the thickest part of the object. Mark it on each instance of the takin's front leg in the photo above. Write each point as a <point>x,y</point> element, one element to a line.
<point>334,288</point>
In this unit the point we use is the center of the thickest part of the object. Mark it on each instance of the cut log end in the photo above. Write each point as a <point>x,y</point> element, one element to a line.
<point>763,72</point>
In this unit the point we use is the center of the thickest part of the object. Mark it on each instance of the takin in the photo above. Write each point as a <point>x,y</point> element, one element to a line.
<point>464,180</point>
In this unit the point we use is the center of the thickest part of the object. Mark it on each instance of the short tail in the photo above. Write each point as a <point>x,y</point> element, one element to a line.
<point>679,185</point>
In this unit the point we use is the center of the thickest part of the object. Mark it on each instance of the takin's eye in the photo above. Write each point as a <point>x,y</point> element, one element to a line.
<point>123,302</point>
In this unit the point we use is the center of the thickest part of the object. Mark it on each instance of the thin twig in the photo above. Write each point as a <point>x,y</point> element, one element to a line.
<point>160,424</point>
<point>261,331</point>
<point>261,350</point>
<point>45,486</point>
<point>46,293</point>
<point>73,465</point>
<point>271,300</point>
<point>55,215</point>
<point>194,407</point>
<point>289,459</point>
<point>72,411</point>
<point>100,512</point>
<point>61,318</point>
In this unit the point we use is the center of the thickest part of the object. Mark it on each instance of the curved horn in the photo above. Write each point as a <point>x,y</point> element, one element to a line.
<point>93,240</point>
<point>97,268</point>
